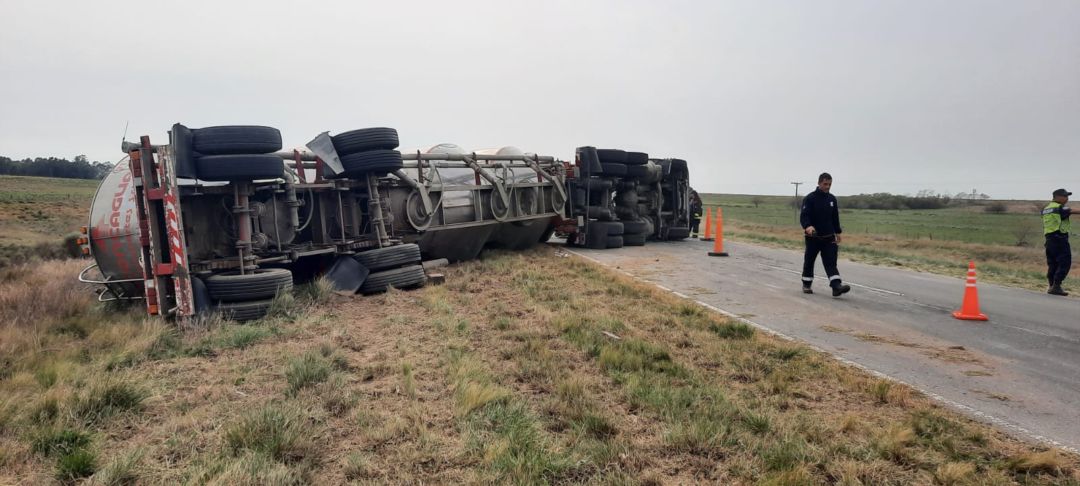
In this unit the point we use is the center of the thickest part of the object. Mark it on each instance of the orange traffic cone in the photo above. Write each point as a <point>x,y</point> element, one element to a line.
<point>969,310</point>
<point>718,247</point>
<point>708,225</point>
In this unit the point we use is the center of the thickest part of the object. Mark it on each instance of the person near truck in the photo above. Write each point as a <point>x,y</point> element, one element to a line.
<point>820,219</point>
<point>695,213</point>
<point>1056,226</point>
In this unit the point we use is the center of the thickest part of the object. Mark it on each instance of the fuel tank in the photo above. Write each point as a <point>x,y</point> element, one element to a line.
<point>114,226</point>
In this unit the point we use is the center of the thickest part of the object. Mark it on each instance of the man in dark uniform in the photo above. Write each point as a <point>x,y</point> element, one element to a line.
<point>695,213</point>
<point>1056,226</point>
<point>820,219</point>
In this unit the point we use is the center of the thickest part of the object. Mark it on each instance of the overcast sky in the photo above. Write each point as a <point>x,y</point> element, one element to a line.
<point>892,96</point>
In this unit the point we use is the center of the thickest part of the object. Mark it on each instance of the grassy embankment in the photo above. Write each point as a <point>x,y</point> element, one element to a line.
<point>36,213</point>
<point>1007,247</point>
<point>523,368</point>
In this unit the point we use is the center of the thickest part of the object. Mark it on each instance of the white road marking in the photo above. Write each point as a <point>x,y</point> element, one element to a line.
<point>972,412</point>
<point>867,287</point>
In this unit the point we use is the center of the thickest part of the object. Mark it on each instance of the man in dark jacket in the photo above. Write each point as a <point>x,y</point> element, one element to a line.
<point>820,219</point>
<point>695,213</point>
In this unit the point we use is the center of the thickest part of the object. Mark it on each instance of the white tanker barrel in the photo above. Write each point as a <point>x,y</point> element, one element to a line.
<point>114,226</point>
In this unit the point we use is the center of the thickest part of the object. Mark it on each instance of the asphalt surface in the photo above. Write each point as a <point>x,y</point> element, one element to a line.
<point>1019,371</point>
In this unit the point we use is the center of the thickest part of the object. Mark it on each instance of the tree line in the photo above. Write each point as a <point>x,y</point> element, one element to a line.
<point>80,168</point>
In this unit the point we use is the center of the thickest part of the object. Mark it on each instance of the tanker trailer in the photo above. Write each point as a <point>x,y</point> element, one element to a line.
<point>220,216</point>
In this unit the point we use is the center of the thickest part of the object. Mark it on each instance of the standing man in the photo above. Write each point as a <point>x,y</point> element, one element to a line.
<point>1056,226</point>
<point>820,219</point>
<point>695,213</point>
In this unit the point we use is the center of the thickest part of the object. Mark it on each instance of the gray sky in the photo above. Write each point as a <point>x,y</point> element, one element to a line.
<point>891,96</point>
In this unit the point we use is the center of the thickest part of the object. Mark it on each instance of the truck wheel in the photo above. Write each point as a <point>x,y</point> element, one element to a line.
<point>389,257</point>
<point>634,227</point>
<point>678,234</point>
<point>614,170</point>
<point>381,161</point>
<point>637,171</point>
<point>236,139</point>
<point>262,283</point>
<point>605,228</point>
<point>611,156</point>
<point>597,212</point>
<point>596,236</point>
<point>201,296</point>
<point>627,198</point>
<point>399,278</point>
<point>244,311</point>
<point>365,139</point>
<point>593,184</point>
<point>615,242</point>
<point>636,158</point>
<point>633,239</point>
<point>244,167</point>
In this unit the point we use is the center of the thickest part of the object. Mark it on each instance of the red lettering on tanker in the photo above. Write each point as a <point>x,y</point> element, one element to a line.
<point>114,228</point>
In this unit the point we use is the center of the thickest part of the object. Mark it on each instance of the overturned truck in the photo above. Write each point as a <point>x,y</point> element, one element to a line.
<point>221,218</point>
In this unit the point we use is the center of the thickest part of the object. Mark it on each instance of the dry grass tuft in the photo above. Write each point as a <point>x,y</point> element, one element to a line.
<point>955,474</point>
<point>277,430</point>
<point>1050,462</point>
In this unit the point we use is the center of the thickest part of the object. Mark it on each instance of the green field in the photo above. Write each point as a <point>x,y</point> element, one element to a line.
<point>37,212</point>
<point>1006,246</point>
<point>969,224</point>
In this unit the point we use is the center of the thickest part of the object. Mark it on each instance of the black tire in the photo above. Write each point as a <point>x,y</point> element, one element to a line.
<point>262,283</point>
<point>627,199</point>
<point>593,184</point>
<point>636,158</point>
<point>244,311</point>
<point>365,139</point>
<point>637,171</point>
<point>389,257</point>
<point>606,228</point>
<point>633,239</point>
<point>612,169</point>
<point>399,278</point>
<point>245,167</point>
<point>201,296</point>
<point>678,166</point>
<point>635,227</point>
<point>579,197</point>
<point>678,234</point>
<point>611,156</point>
<point>625,213</point>
<point>381,161</point>
<point>597,212</point>
<point>236,139</point>
<point>596,238</point>
<point>615,242</point>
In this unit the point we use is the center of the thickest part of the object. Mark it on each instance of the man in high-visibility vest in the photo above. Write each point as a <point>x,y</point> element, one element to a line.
<point>1056,226</point>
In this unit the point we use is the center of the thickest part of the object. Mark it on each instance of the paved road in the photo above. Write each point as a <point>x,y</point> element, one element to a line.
<point>1020,370</point>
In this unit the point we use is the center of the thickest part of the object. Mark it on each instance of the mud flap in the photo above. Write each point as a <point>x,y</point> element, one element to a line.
<point>347,275</point>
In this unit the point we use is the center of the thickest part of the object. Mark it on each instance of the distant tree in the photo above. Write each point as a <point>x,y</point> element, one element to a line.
<point>80,168</point>
<point>996,207</point>
<point>757,200</point>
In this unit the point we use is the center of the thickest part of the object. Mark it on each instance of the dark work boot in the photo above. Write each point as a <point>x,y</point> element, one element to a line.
<point>1057,290</point>
<point>841,289</point>
<point>807,290</point>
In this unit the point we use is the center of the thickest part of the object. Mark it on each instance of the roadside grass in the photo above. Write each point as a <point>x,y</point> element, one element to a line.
<point>36,215</point>
<point>1007,248</point>
<point>523,368</point>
